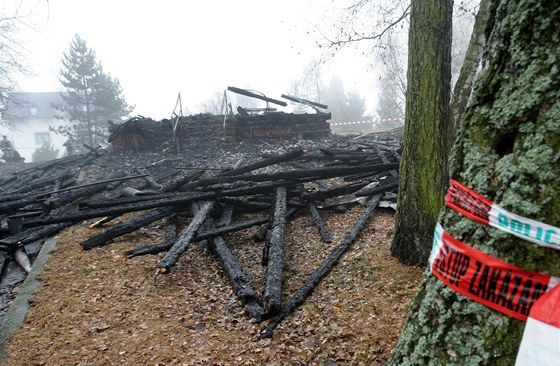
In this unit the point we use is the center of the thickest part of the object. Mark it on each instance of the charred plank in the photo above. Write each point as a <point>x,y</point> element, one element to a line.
<point>184,240</point>
<point>319,223</point>
<point>324,268</point>
<point>274,275</point>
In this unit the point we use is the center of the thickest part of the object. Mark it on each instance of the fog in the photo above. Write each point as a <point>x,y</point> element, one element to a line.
<point>160,49</point>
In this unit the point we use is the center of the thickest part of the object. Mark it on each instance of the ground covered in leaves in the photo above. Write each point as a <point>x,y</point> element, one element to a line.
<point>98,308</point>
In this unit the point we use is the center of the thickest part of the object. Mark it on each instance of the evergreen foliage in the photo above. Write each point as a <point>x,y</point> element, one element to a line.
<point>44,153</point>
<point>92,96</point>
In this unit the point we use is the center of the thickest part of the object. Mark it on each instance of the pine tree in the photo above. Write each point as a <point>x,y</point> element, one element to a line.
<point>92,96</point>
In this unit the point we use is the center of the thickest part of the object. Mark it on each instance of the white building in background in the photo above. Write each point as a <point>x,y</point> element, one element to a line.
<point>29,116</point>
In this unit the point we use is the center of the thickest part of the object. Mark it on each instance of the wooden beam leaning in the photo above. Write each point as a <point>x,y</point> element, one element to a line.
<point>166,244</point>
<point>257,96</point>
<point>274,275</point>
<point>324,268</point>
<point>126,228</point>
<point>234,272</point>
<point>319,223</point>
<point>173,255</point>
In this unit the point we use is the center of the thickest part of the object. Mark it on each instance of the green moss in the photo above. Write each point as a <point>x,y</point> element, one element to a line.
<point>508,149</point>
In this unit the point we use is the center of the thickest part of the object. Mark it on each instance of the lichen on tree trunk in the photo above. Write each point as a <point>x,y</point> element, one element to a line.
<point>508,150</point>
<point>423,168</point>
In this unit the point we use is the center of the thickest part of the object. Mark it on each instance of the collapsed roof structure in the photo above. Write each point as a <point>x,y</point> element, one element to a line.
<point>188,168</point>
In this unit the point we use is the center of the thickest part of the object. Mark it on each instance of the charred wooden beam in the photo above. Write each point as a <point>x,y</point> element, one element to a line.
<point>261,235</point>
<point>31,235</point>
<point>274,275</point>
<point>183,179</point>
<point>208,234</point>
<point>234,272</point>
<point>101,182</point>
<point>166,244</point>
<point>304,101</point>
<point>293,154</point>
<point>304,174</point>
<point>257,96</point>
<point>125,228</point>
<point>324,268</point>
<point>319,223</point>
<point>178,200</point>
<point>184,240</point>
<point>150,181</point>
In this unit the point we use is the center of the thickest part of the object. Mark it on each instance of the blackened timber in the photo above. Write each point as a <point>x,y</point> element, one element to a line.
<point>177,200</point>
<point>31,235</point>
<point>91,184</point>
<point>184,240</point>
<point>319,223</point>
<point>261,235</point>
<point>126,228</point>
<point>234,272</point>
<point>182,180</point>
<point>384,159</point>
<point>304,101</point>
<point>119,210</point>
<point>309,174</point>
<point>257,96</point>
<point>323,194</point>
<point>324,268</point>
<point>208,234</point>
<point>387,185</point>
<point>266,162</point>
<point>150,181</point>
<point>274,275</point>
<point>170,236</point>
<point>128,200</point>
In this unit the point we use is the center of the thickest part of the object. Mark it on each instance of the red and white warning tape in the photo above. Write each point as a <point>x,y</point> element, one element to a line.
<point>485,279</point>
<point>478,208</point>
<point>540,344</point>
<point>367,121</point>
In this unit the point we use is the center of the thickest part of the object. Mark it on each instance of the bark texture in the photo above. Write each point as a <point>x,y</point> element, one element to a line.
<point>423,168</point>
<point>508,150</point>
<point>465,82</point>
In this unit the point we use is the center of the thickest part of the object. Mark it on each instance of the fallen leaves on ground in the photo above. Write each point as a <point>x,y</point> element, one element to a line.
<point>98,308</point>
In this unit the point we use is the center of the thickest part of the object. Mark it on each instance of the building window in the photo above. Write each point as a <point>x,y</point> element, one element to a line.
<point>42,138</point>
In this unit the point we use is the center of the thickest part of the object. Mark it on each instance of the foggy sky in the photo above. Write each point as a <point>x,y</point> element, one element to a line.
<point>158,49</point>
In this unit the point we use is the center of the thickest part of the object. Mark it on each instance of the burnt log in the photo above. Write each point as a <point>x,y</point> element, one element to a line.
<point>183,179</point>
<point>208,234</point>
<point>150,181</point>
<point>261,235</point>
<point>293,154</point>
<point>184,240</point>
<point>304,101</point>
<point>257,96</point>
<point>274,275</point>
<point>31,235</point>
<point>149,203</point>
<point>237,277</point>
<point>166,244</point>
<point>125,228</point>
<point>319,223</point>
<point>324,268</point>
<point>301,175</point>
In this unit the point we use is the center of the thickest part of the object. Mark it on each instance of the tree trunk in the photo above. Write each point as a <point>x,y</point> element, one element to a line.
<point>465,82</point>
<point>423,168</point>
<point>507,150</point>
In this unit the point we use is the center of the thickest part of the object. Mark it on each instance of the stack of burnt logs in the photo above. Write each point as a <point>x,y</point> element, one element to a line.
<point>284,185</point>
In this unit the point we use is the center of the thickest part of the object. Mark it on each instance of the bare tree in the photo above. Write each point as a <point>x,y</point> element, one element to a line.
<point>13,18</point>
<point>214,104</point>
